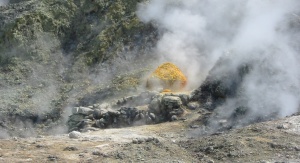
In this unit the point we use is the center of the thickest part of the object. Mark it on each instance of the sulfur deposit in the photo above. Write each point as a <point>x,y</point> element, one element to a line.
<point>167,77</point>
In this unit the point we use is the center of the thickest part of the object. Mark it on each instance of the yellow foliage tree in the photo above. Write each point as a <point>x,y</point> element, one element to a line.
<point>168,76</point>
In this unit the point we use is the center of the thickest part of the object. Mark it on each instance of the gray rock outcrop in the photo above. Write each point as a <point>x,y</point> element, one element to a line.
<point>146,108</point>
<point>171,106</point>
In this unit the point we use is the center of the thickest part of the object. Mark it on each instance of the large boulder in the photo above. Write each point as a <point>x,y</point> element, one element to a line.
<point>155,104</point>
<point>172,105</point>
<point>170,102</point>
<point>82,110</point>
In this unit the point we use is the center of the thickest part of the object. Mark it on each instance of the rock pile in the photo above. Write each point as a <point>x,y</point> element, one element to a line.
<point>146,108</point>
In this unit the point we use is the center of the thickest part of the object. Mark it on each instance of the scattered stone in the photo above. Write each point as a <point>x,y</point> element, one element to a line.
<point>155,140</point>
<point>41,146</point>
<point>139,116</point>
<point>96,152</point>
<point>183,119</point>
<point>140,140</point>
<point>134,141</point>
<point>223,122</point>
<point>74,135</point>
<point>81,155</point>
<point>255,129</point>
<point>263,161</point>
<point>282,126</point>
<point>52,158</point>
<point>143,140</point>
<point>121,101</point>
<point>174,118</point>
<point>149,139</point>
<point>209,150</point>
<point>184,98</point>
<point>210,161</point>
<point>85,111</point>
<point>82,110</point>
<point>194,126</point>
<point>152,116</point>
<point>277,146</point>
<point>119,155</point>
<point>193,105</point>
<point>71,148</point>
<point>217,133</point>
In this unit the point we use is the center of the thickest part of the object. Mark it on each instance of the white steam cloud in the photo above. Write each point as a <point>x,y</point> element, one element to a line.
<point>3,2</point>
<point>266,33</point>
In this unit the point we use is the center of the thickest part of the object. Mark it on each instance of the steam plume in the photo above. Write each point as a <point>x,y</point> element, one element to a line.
<point>3,2</point>
<point>196,33</point>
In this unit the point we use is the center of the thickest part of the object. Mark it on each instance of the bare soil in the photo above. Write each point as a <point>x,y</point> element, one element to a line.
<point>273,141</point>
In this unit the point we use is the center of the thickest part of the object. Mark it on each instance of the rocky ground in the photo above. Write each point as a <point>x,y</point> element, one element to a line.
<point>178,141</point>
<point>72,89</point>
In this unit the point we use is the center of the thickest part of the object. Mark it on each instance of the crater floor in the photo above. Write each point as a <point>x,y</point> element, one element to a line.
<point>176,141</point>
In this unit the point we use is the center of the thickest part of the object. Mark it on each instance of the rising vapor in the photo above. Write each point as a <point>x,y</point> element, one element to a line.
<point>3,2</point>
<point>265,33</point>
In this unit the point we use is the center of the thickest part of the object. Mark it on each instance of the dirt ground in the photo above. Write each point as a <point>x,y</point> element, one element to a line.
<point>273,141</point>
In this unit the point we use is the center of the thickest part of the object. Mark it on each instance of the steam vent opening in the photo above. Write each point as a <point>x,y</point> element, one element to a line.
<point>167,78</point>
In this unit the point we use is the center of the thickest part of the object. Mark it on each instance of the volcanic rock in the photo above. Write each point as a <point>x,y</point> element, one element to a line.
<point>171,105</point>
<point>82,110</point>
<point>193,105</point>
<point>171,102</point>
<point>218,87</point>
<point>174,118</point>
<point>74,135</point>
<point>161,108</point>
<point>155,104</point>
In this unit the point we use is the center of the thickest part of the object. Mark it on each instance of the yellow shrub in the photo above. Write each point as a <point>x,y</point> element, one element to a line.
<point>168,76</point>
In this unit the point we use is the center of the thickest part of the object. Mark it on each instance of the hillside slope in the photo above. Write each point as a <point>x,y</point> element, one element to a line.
<point>57,54</point>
